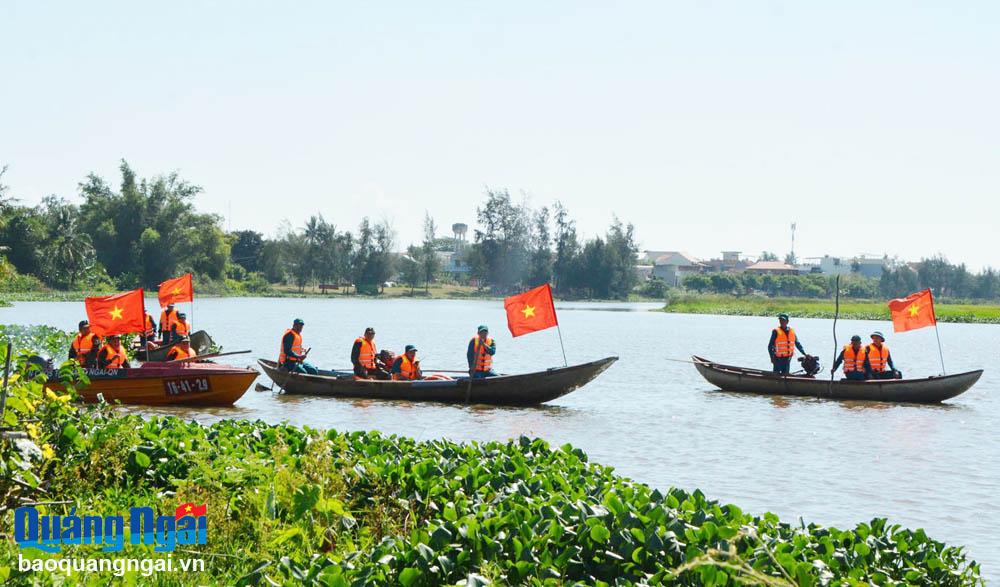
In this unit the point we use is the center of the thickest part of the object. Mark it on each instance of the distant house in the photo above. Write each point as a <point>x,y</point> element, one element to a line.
<point>644,272</point>
<point>674,266</point>
<point>863,265</point>
<point>772,268</point>
<point>452,262</point>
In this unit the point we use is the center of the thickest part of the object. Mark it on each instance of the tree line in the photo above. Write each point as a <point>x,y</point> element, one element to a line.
<point>943,278</point>
<point>145,230</point>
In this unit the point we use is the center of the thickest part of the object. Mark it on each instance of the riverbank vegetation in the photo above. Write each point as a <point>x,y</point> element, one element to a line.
<point>296,506</point>
<point>681,303</point>
<point>142,231</point>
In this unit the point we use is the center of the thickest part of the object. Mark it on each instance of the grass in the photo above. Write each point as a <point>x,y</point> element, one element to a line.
<point>813,308</point>
<point>296,506</point>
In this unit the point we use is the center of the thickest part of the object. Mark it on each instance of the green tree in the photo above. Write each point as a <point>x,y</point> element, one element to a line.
<point>503,242</point>
<point>540,270</point>
<point>429,261</point>
<point>247,249</point>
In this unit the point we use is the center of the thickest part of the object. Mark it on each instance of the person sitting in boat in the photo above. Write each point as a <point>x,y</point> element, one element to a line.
<point>853,358</point>
<point>782,346</point>
<point>878,361</point>
<point>112,355</point>
<point>147,339</point>
<point>364,355</point>
<point>407,367</point>
<point>85,346</point>
<point>181,350</point>
<point>167,318</point>
<point>291,355</point>
<point>181,327</point>
<point>480,354</point>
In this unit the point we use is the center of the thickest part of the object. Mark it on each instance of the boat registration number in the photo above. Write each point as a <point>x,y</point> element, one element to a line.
<point>184,385</point>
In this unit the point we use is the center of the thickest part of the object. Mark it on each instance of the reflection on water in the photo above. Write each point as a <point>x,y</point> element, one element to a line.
<point>657,421</point>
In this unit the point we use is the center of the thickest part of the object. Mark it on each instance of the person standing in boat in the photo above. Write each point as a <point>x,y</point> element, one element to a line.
<point>878,361</point>
<point>181,328</point>
<point>782,346</point>
<point>181,350</point>
<point>149,333</point>
<point>363,357</point>
<point>167,318</point>
<point>853,358</point>
<point>112,355</point>
<point>85,346</point>
<point>407,367</point>
<point>480,354</point>
<point>292,355</point>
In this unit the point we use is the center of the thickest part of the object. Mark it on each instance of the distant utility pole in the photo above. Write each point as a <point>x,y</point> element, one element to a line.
<point>793,240</point>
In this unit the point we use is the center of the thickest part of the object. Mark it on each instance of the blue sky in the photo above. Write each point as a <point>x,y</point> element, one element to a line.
<point>710,125</point>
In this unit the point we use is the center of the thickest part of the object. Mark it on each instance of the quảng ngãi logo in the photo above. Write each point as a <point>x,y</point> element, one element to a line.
<point>49,533</point>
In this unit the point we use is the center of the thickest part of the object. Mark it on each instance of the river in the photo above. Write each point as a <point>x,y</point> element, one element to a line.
<point>656,421</point>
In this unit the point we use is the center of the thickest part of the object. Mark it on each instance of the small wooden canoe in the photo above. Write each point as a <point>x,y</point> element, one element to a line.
<point>168,384</point>
<point>926,390</point>
<point>514,390</point>
<point>201,342</point>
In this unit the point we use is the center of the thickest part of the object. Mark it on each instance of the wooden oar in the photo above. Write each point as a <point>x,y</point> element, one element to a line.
<point>208,356</point>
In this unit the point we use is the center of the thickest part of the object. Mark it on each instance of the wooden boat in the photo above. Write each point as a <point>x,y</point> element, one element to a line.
<point>927,390</point>
<point>514,390</point>
<point>201,342</point>
<point>167,384</point>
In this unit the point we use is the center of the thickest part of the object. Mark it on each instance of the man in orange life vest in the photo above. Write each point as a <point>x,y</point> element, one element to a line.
<point>85,346</point>
<point>181,350</point>
<point>167,318</point>
<point>181,327</point>
<point>853,358</point>
<point>149,334</point>
<point>877,358</point>
<point>112,355</point>
<point>480,354</point>
<point>782,345</point>
<point>407,367</point>
<point>363,357</point>
<point>292,356</point>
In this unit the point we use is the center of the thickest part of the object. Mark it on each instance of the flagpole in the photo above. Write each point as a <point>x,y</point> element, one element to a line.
<point>940,352</point>
<point>561,345</point>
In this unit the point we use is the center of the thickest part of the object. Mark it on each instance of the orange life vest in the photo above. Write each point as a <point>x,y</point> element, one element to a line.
<point>150,327</point>
<point>183,327</point>
<point>784,343</point>
<point>484,360</point>
<point>167,319</point>
<point>878,358</point>
<point>296,347</point>
<point>112,359</point>
<point>176,353</point>
<point>83,345</point>
<point>366,356</point>
<point>407,370</point>
<point>854,361</point>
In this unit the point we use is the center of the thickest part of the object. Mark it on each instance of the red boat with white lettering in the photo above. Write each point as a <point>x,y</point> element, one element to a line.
<point>172,383</point>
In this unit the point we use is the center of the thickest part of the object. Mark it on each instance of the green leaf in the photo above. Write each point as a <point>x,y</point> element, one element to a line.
<point>142,460</point>
<point>408,576</point>
<point>862,548</point>
<point>599,534</point>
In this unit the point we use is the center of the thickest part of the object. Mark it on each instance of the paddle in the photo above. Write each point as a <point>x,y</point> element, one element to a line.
<point>208,356</point>
<point>836,314</point>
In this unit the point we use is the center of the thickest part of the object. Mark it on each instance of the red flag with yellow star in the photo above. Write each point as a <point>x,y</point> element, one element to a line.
<point>530,311</point>
<point>176,290</point>
<point>189,509</point>
<point>117,314</point>
<point>912,312</point>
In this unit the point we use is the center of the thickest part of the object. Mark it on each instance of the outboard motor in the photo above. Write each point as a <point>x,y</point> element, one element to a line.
<point>810,364</point>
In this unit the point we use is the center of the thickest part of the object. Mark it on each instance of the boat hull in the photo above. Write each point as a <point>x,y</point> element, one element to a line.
<point>927,390</point>
<point>514,390</point>
<point>167,384</point>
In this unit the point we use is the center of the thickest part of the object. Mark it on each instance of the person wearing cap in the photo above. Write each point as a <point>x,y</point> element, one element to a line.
<point>853,358</point>
<point>877,359</point>
<point>181,327</point>
<point>112,355</point>
<point>364,355</point>
<point>480,354</point>
<point>407,367</point>
<point>292,355</point>
<point>85,346</point>
<point>167,318</point>
<point>782,346</point>
<point>181,350</point>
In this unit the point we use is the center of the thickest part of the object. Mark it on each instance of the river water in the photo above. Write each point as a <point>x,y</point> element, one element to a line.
<point>657,421</point>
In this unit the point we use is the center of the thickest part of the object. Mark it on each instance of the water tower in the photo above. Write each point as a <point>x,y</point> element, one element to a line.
<point>459,229</point>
